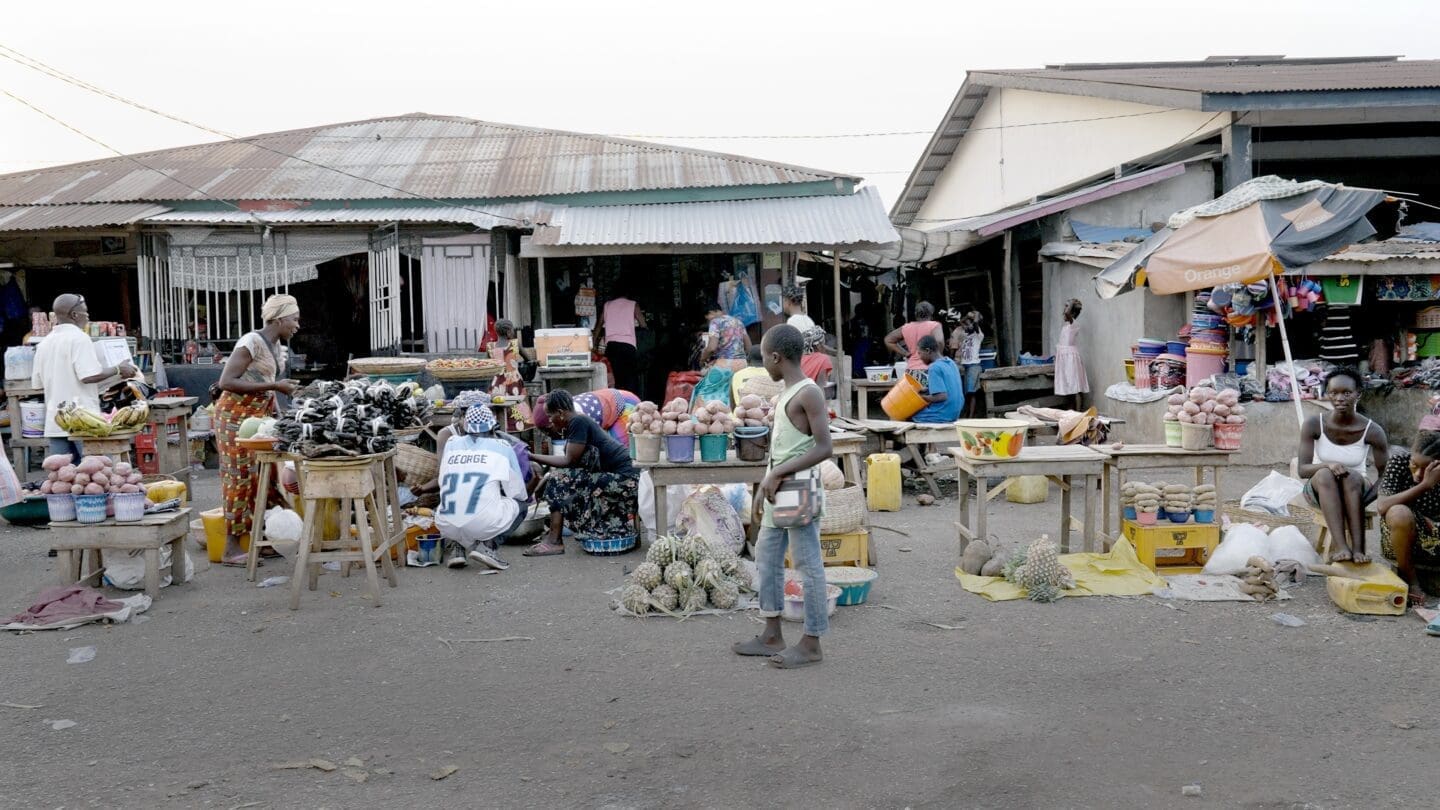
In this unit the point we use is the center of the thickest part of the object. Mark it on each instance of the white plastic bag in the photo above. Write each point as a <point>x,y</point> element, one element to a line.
<point>1273,494</point>
<point>1242,542</point>
<point>126,569</point>
<point>707,513</point>
<point>283,525</point>
<point>674,497</point>
<point>1288,543</point>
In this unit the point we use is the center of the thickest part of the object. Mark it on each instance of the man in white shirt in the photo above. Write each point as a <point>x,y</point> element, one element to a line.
<point>67,368</point>
<point>482,492</point>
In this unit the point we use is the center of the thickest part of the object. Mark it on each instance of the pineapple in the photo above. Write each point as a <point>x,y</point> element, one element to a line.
<point>708,573</point>
<point>647,575</point>
<point>677,575</point>
<point>662,551</point>
<point>692,599</point>
<point>1015,566</point>
<point>635,599</point>
<point>692,550</point>
<point>725,595</point>
<point>1042,575</point>
<point>666,596</point>
<point>741,578</point>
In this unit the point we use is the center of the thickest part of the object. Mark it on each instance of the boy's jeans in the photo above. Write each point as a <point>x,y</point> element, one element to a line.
<point>804,545</point>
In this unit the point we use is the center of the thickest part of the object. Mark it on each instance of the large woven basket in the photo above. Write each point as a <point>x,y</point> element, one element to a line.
<point>844,510</point>
<point>481,370</point>
<point>417,465</point>
<point>387,365</point>
<point>1305,521</point>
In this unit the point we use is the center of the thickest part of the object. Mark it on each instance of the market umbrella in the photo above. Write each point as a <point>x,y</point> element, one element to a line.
<point>1253,232</point>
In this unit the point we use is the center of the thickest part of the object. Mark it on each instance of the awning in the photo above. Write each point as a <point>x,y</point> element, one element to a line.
<point>791,223</point>
<point>83,215</point>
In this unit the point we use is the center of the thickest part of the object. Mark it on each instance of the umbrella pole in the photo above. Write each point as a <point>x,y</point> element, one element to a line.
<point>1285,345</point>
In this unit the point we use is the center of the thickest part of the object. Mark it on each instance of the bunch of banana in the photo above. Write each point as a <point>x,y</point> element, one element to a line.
<point>81,421</point>
<point>131,416</point>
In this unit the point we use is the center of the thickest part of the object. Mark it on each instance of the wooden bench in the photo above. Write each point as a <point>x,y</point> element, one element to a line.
<point>1023,379</point>
<point>149,534</point>
<point>912,439</point>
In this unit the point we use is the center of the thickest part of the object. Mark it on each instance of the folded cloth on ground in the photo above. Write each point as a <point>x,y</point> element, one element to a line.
<point>1115,573</point>
<point>63,606</point>
<point>1207,588</point>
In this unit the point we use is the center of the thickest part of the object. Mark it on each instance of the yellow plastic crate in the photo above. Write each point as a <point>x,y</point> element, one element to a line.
<point>851,548</point>
<point>1171,548</point>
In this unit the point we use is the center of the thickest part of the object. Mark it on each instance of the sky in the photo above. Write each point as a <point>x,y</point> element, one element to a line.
<point>662,71</point>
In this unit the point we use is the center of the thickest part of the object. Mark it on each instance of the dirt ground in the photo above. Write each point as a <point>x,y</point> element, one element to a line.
<point>1088,702</point>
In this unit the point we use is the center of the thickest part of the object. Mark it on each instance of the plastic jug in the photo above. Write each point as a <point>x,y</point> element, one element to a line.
<point>882,482</point>
<point>1380,593</point>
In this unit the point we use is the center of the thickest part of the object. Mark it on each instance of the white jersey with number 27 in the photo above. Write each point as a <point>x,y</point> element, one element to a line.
<point>480,481</point>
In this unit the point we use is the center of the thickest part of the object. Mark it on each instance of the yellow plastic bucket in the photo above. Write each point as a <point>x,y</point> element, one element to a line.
<point>214,523</point>
<point>882,484</point>
<point>904,400</point>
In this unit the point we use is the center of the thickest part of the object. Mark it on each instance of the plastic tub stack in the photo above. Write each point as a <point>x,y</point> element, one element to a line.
<point>1209,344</point>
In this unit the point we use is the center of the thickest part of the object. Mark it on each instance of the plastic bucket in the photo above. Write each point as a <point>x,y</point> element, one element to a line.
<point>429,548</point>
<point>904,400</point>
<point>91,508</point>
<point>129,506</point>
<point>680,449</point>
<point>1194,437</point>
<point>752,443</point>
<point>214,523</point>
<point>1228,436</point>
<point>62,507</point>
<point>714,447</point>
<point>32,419</point>
<point>646,447</point>
<point>1201,366</point>
<point>1173,434</point>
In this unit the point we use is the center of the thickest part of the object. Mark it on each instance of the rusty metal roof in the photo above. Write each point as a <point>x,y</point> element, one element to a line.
<point>426,155</point>
<point>491,216</point>
<point>98,215</point>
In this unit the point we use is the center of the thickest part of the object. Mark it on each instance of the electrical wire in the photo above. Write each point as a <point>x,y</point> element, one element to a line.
<point>61,76</point>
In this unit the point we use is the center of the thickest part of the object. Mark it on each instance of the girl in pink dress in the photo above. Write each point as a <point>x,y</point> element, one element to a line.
<point>1069,368</point>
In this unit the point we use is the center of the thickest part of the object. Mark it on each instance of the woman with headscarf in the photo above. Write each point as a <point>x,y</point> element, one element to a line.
<point>726,341</point>
<point>816,364</point>
<point>594,487</point>
<point>905,341</point>
<point>611,408</point>
<point>252,375</point>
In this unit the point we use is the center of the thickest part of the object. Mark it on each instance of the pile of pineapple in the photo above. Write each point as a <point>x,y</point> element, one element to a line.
<point>683,575</point>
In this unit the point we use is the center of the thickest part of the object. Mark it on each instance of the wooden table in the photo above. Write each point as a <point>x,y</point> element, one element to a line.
<point>173,459</point>
<point>666,474</point>
<point>1010,379</point>
<point>848,446</point>
<point>118,446</point>
<point>912,439</point>
<point>362,489</point>
<point>863,390</point>
<point>1154,457</point>
<point>1059,464</point>
<point>149,534</point>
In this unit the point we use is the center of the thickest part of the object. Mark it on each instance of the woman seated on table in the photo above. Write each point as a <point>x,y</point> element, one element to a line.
<point>611,408</point>
<point>815,363</point>
<point>1332,455</point>
<point>944,390</point>
<point>1409,509</point>
<point>594,488</point>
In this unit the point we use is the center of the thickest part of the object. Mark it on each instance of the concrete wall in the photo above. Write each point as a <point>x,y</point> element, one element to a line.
<point>1108,328</point>
<point>1002,163</point>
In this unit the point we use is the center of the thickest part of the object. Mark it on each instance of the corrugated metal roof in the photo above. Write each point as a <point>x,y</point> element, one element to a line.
<point>1268,76</point>
<point>490,216</point>
<point>857,218</point>
<point>1388,249</point>
<point>963,109</point>
<point>97,215</point>
<point>429,155</point>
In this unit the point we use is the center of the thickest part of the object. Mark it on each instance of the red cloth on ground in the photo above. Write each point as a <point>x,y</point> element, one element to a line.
<point>61,602</point>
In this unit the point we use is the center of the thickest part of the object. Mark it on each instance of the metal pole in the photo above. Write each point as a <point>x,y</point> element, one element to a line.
<point>1285,344</point>
<point>842,379</point>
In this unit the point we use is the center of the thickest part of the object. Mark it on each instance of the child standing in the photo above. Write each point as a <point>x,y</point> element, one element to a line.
<point>965,342</point>
<point>1070,377</point>
<point>800,442</point>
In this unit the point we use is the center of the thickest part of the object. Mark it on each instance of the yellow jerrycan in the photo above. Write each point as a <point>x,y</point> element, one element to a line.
<point>882,482</point>
<point>1380,592</point>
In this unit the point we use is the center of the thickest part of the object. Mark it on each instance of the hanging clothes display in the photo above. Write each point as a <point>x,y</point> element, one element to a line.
<point>1337,338</point>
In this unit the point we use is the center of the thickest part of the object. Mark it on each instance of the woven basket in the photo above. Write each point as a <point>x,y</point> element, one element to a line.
<point>387,365</point>
<point>1305,522</point>
<point>482,370</point>
<point>417,465</point>
<point>844,510</point>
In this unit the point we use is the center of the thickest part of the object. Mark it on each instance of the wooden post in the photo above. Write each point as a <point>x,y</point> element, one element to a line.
<point>544,294</point>
<point>1235,145</point>
<point>842,378</point>
<point>1009,332</point>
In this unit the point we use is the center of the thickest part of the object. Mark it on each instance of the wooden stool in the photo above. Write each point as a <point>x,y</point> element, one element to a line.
<point>266,461</point>
<point>118,447</point>
<point>149,534</point>
<point>351,485</point>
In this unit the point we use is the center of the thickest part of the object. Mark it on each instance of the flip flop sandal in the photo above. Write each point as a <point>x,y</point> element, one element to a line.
<point>239,561</point>
<point>543,550</point>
